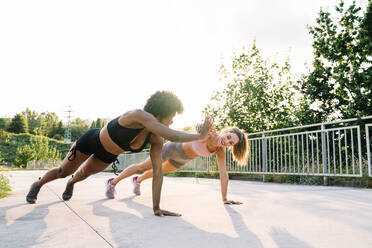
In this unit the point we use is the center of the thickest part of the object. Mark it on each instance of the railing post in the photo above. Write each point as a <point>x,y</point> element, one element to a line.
<point>324,155</point>
<point>196,170</point>
<point>368,150</point>
<point>264,159</point>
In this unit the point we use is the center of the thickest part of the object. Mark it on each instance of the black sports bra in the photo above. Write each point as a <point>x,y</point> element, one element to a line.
<point>122,136</point>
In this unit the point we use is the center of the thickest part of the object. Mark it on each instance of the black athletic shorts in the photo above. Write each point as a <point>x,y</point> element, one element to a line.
<point>89,144</point>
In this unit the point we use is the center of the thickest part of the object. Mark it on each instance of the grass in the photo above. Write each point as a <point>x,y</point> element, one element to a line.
<point>4,186</point>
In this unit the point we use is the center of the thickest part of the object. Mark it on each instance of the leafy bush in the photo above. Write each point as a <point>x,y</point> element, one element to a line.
<point>39,149</point>
<point>13,144</point>
<point>23,155</point>
<point>4,186</point>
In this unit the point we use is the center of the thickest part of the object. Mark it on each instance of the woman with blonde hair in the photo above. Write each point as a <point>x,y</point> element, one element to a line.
<point>175,155</point>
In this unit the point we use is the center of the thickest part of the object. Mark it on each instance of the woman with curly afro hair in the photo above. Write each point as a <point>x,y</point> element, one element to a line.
<point>131,131</point>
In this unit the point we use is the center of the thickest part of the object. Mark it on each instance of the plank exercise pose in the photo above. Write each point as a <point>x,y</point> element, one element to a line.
<point>175,155</point>
<point>98,148</point>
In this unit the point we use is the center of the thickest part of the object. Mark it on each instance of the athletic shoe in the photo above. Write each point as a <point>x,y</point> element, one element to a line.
<point>110,189</point>
<point>136,186</point>
<point>68,192</point>
<point>32,194</point>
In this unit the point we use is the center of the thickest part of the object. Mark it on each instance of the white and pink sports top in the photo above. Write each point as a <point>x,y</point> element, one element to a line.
<point>200,148</point>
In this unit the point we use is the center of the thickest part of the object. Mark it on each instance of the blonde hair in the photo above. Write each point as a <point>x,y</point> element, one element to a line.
<point>240,150</point>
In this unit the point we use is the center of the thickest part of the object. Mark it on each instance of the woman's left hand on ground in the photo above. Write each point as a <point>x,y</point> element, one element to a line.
<point>162,212</point>
<point>230,202</point>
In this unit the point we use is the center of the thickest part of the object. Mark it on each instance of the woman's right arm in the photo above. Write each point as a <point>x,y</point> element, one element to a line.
<point>158,128</point>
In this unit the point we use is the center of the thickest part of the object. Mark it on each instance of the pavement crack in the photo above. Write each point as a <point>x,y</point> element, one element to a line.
<point>77,214</point>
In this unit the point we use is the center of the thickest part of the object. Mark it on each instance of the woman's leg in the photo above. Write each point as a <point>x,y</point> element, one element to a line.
<point>69,165</point>
<point>133,169</point>
<point>167,167</point>
<point>91,166</point>
<point>67,168</point>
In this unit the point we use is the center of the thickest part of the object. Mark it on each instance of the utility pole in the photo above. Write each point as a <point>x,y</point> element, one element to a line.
<point>68,127</point>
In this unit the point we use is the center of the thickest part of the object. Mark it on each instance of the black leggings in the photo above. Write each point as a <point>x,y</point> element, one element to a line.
<point>89,144</point>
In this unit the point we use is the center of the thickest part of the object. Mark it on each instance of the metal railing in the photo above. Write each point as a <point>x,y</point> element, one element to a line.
<point>42,164</point>
<point>325,152</point>
<point>305,150</point>
<point>368,144</point>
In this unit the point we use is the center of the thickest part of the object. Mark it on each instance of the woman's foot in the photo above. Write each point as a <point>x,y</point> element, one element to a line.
<point>136,186</point>
<point>68,192</point>
<point>110,189</point>
<point>32,194</point>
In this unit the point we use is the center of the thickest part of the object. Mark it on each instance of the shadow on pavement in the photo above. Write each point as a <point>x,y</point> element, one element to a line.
<point>140,229</point>
<point>26,230</point>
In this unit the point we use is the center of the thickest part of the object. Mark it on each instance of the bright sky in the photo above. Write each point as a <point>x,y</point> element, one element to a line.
<point>107,57</point>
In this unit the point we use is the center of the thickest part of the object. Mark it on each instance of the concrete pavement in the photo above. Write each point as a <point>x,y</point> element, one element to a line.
<point>273,215</point>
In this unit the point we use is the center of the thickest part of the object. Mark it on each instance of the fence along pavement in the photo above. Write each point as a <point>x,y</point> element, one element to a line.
<point>368,144</point>
<point>42,164</point>
<point>334,151</point>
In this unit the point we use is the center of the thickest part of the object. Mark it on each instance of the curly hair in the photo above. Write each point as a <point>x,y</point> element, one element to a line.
<point>163,104</point>
<point>240,150</point>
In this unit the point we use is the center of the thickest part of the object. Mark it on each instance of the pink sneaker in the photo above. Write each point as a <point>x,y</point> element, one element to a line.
<point>136,186</point>
<point>110,189</point>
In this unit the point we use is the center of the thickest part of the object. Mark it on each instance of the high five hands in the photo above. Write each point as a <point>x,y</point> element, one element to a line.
<point>206,128</point>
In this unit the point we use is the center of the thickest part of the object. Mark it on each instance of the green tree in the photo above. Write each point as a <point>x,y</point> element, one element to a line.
<point>5,123</point>
<point>4,136</point>
<point>259,94</point>
<point>188,129</point>
<point>1,157</point>
<point>19,124</point>
<point>58,131</point>
<point>340,83</point>
<point>50,121</point>
<point>38,149</point>
<point>367,23</point>
<point>93,125</point>
<point>99,123</point>
<point>32,120</point>
<point>4,185</point>
<point>78,128</point>
<point>23,155</point>
<point>43,150</point>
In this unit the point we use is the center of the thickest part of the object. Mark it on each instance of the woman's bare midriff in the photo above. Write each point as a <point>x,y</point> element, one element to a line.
<point>107,143</point>
<point>189,152</point>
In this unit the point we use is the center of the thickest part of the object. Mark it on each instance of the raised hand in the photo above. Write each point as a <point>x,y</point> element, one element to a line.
<point>204,128</point>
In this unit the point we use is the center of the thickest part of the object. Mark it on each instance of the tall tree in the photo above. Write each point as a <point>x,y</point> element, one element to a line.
<point>259,94</point>
<point>32,120</point>
<point>38,149</point>
<point>50,121</point>
<point>1,158</point>
<point>99,123</point>
<point>19,124</point>
<point>5,123</point>
<point>93,125</point>
<point>367,23</point>
<point>340,83</point>
<point>57,131</point>
<point>78,128</point>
